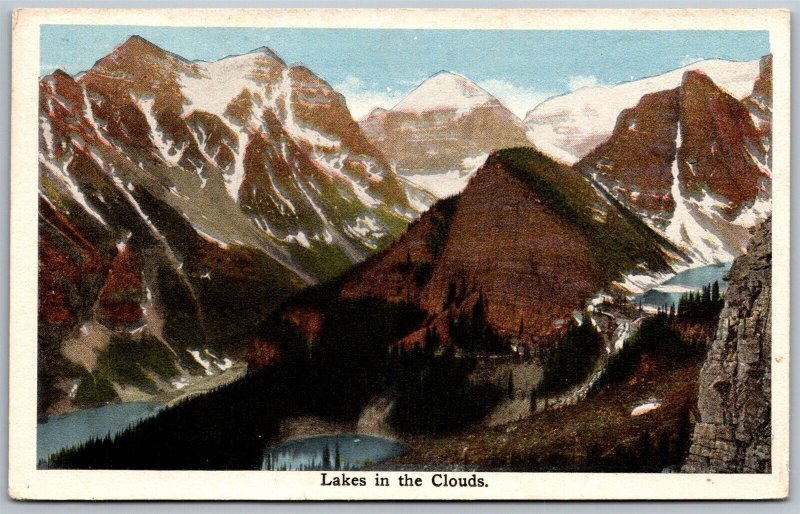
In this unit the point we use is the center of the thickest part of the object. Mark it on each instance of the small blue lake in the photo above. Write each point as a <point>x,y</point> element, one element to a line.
<point>692,279</point>
<point>311,453</point>
<point>73,428</point>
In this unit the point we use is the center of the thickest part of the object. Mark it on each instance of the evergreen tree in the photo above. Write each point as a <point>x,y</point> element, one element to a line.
<point>326,458</point>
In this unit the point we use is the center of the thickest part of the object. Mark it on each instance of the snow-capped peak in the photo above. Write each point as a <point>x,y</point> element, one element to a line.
<point>212,85</point>
<point>569,126</point>
<point>444,91</point>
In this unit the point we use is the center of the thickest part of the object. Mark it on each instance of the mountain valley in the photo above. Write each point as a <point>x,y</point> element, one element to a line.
<point>223,237</point>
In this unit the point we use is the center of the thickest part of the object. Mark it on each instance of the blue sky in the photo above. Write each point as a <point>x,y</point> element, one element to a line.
<point>377,67</point>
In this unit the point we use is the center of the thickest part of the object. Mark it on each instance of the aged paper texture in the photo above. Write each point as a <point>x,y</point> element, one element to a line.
<point>399,254</point>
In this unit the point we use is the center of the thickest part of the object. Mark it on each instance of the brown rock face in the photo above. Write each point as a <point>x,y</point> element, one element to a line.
<point>69,263</point>
<point>532,266</point>
<point>733,434</point>
<point>638,157</point>
<point>123,291</point>
<point>717,138</point>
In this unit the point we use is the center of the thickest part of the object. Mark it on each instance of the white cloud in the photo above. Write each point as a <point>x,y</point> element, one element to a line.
<point>361,99</point>
<point>578,81</point>
<point>688,59</point>
<point>46,69</point>
<point>518,99</point>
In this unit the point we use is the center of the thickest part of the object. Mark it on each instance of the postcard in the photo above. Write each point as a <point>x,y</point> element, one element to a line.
<point>308,254</point>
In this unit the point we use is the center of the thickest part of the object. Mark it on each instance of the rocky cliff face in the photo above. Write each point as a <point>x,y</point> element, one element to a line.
<point>569,126</point>
<point>733,433</point>
<point>693,163</point>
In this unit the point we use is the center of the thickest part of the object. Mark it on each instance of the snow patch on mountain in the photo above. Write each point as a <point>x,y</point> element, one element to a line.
<point>214,84</point>
<point>441,184</point>
<point>59,171</point>
<point>90,117</point>
<point>47,134</point>
<point>166,147</point>
<point>367,229</point>
<point>299,238</point>
<point>208,237</point>
<point>638,283</point>
<point>684,228</point>
<point>282,92</point>
<point>758,211</point>
<point>474,162</point>
<point>445,91</point>
<point>206,364</point>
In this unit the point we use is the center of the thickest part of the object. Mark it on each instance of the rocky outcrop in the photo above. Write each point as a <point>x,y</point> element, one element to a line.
<point>733,433</point>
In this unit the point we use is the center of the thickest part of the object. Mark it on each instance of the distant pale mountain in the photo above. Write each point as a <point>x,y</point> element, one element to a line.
<point>569,126</point>
<point>440,134</point>
<point>693,162</point>
<point>180,202</point>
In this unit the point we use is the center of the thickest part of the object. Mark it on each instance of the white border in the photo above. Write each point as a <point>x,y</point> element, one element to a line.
<point>25,481</point>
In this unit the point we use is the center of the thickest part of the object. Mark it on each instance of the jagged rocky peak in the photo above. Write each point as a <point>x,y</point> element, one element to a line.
<point>733,433</point>
<point>135,55</point>
<point>721,150</point>
<point>137,46</point>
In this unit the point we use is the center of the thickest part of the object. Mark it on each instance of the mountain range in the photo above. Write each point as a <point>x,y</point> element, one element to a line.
<point>225,186</point>
<point>181,202</point>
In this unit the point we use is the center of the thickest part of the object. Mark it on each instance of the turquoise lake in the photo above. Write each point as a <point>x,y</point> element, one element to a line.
<point>355,451</point>
<point>73,428</point>
<point>692,279</point>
